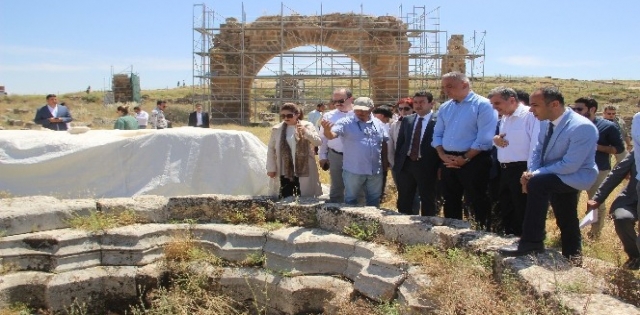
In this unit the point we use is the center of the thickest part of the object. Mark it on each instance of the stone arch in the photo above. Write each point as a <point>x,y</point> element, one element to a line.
<point>378,44</point>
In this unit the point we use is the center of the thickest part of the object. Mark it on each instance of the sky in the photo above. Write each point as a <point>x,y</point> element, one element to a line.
<point>66,45</point>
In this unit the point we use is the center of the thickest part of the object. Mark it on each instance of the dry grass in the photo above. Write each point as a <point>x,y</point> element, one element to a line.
<point>98,221</point>
<point>471,289</point>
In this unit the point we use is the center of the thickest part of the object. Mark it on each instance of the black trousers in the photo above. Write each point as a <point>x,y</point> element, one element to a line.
<point>542,190</point>
<point>513,201</point>
<point>470,181</point>
<point>289,187</point>
<point>413,176</point>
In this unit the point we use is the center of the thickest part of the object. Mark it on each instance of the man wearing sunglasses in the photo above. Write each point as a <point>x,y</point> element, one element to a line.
<point>364,139</point>
<point>609,142</point>
<point>331,150</point>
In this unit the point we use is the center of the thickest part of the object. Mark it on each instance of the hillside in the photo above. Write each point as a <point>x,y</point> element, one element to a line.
<point>88,108</point>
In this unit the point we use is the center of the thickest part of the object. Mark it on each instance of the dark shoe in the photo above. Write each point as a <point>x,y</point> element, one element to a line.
<point>575,260</point>
<point>516,250</point>
<point>632,264</point>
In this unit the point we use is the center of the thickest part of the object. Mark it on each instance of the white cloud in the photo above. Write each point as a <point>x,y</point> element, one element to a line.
<point>534,61</point>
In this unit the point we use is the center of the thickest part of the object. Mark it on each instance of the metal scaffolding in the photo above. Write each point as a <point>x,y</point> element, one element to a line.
<point>308,73</point>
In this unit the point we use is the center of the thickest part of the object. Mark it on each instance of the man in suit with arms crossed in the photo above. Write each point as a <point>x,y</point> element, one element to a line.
<point>563,163</point>
<point>53,116</point>
<point>416,161</point>
<point>198,118</point>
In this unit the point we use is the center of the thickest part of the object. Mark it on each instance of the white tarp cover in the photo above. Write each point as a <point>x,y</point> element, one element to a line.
<point>119,163</point>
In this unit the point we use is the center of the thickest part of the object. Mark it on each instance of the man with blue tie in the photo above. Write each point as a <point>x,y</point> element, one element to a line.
<point>463,137</point>
<point>53,116</point>
<point>563,163</point>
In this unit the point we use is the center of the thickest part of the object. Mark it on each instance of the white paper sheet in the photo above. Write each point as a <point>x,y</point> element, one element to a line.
<point>590,218</point>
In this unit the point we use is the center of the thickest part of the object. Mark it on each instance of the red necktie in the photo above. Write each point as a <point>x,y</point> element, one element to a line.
<point>415,141</point>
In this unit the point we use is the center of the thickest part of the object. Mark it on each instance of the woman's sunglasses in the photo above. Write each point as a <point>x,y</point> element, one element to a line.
<point>288,116</point>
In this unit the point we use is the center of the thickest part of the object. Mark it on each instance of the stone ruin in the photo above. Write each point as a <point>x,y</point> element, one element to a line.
<point>307,268</point>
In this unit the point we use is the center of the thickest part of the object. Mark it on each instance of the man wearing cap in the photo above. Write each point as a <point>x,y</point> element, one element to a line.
<point>463,137</point>
<point>416,161</point>
<point>157,120</point>
<point>331,150</point>
<point>364,139</point>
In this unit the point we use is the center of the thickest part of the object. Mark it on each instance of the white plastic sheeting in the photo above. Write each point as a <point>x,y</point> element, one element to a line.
<point>119,163</point>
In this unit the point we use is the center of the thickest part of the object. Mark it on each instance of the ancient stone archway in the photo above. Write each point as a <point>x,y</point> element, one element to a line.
<point>378,44</point>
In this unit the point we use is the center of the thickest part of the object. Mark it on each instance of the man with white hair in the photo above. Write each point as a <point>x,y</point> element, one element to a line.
<point>364,139</point>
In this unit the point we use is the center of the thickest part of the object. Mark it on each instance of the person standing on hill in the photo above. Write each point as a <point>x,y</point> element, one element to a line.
<point>157,119</point>
<point>53,116</point>
<point>126,121</point>
<point>199,118</point>
<point>142,117</point>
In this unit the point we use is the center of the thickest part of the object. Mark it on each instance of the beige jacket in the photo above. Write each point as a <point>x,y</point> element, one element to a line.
<point>309,186</point>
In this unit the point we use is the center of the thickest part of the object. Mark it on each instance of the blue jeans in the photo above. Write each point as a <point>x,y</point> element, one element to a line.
<point>354,183</point>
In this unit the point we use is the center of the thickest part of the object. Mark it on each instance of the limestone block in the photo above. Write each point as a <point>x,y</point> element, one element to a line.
<point>596,304</point>
<point>148,277</point>
<point>408,230</point>
<point>216,208</point>
<point>149,208</point>
<point>96,287</point>
<point>381,274</point>
<point>307,251</point>
<point>39,213</point>
<point>137,245</point>
<point>333,217</point>
<point>249,284</point>
<point>300,212</point>
<point>231,242</point>
<point>26,287</point>
<point>311,294</point>
<point>411,293</point>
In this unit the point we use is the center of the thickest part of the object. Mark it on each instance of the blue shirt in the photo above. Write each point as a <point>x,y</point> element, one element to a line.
<point>362,143</point>
<point>470,124</point>
<point>609,135</point>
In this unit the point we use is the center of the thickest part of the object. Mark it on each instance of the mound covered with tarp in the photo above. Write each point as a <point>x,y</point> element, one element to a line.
<point>119,163</point>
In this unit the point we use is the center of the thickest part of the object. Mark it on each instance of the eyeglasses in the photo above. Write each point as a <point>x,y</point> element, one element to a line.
<point>578,109</point>
<point>404,108</point>
<point>338,101</point>
<point>288,116</point>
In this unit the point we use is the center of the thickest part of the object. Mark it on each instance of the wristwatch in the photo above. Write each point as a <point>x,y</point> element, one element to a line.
<point>466,159</point>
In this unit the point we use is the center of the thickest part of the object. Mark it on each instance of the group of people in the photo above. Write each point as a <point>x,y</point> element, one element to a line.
<point>499,160</point>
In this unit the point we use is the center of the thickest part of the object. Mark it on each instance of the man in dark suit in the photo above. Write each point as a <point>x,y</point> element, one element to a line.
<point>199,118</point>
<point>416,161</point>
<point>53,116</point>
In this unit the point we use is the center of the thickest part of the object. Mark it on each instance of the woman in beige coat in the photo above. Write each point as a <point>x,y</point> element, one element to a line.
<point>290,154</point>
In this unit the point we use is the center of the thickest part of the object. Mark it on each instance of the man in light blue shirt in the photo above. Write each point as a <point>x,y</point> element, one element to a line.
<point>315,115</point>
<point>364,139</point>
<point>463,137</point>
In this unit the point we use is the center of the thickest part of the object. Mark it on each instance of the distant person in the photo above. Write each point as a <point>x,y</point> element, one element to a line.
<point>199,118</point>
<point>142,117</point>
<point>125,121</point>
<point>290,155</point>
<point>315,115</point>
<point>523,97</point>
<point>53,116</point>
<point>178,84</point>
<point>183,84</point>
<point>610,113</point>
<point>364,142</point>
<point>157,120</point>
<point>88,89</point>
<point>609,142</point>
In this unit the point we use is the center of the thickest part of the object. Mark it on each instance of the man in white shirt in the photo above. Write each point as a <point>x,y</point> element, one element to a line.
<point>315,115</point>
<point>142,117</point>
<point>516,139</point>
<point>331,151</point>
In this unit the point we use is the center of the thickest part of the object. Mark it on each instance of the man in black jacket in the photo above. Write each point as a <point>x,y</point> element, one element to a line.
<point>199,118</point>
<point>416,161</point>
<point>623,208</point>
